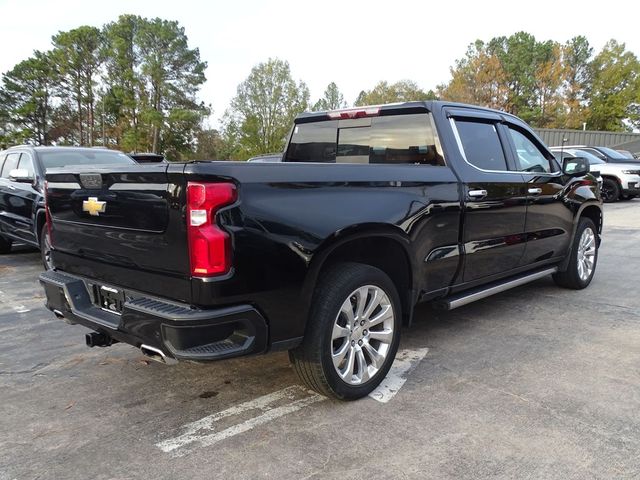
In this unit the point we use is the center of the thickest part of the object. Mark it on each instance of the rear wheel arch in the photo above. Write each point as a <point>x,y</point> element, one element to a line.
<point>383,250</point>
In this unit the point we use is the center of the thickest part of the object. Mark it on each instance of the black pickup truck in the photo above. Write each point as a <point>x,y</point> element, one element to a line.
<point>326,253</point>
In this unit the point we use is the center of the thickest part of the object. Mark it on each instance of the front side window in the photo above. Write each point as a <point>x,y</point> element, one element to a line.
<point>481,145</point>
<point>10,163</point>
<point>395,139</point>
<point>529,157</point>
<point>26,163</point>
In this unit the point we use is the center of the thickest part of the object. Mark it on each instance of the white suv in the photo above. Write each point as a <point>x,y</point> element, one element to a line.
<point>619,180</point>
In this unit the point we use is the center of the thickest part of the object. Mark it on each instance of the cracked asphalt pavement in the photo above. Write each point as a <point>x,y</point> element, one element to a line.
<point>537,382</point>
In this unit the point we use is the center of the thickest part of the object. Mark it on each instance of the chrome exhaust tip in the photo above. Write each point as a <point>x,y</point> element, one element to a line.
<point>157,355</point>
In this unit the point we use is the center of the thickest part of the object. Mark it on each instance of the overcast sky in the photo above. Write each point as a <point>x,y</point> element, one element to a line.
<point>353,43</point>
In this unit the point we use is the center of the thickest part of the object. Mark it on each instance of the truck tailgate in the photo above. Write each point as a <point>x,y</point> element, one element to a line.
<point>124,226</point>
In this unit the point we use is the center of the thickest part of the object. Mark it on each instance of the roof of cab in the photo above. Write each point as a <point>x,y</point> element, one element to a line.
<point>398,108</point>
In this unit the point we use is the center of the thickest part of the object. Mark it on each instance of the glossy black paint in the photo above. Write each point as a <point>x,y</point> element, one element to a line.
<point>292,219</point>
<point>22,204</point>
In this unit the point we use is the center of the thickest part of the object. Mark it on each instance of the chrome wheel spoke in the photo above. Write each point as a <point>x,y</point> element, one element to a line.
<point>363,368</point>
<point>376,358</point>
<point>385,336</point>
<point>385,313</point>
<point>580,269</point>
<point>361,299</point>
<point>338,356</point>
<point>347,372</point>
<point>347,311</point>
<point>376,297</point>
<point>340,332</point>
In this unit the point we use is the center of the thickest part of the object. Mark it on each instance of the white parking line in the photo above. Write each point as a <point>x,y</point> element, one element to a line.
<point>405,362</point>
<point>21,309</point>
<point>214,428</point>
<point>203,431</point>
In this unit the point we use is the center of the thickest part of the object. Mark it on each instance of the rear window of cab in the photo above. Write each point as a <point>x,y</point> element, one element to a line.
<point>391,139</point>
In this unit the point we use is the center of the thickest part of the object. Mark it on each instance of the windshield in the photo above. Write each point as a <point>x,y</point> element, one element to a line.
<point>611,153</point>
<point>593,160</point>
<point>63,158</point>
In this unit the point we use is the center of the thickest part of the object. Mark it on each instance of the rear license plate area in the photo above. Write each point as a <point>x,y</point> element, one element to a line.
<point>109,299</point>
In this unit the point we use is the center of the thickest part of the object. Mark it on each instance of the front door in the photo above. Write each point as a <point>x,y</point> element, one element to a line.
<point>549,223</point>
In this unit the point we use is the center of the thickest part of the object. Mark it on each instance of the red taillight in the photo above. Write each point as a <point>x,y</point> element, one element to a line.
<point>354,113</point>
<point>47,214</point>
<point>209,246</point>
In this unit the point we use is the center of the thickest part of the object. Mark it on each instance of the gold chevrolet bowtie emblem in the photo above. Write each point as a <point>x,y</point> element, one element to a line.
<point>94,206</point>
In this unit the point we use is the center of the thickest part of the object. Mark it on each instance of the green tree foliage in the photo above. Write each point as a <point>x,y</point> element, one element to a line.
<point>121,97</point>
<point>332,99</point>
<point>548,84</point>
<point>402,91</point>
<point>26,100</point>
<point>614,91</point>
<point>77,56</point>
<point>262,112</point>
<point>576,54</point>
<point>170,74</point>
<point>478,78</point>
<point>132,85</point>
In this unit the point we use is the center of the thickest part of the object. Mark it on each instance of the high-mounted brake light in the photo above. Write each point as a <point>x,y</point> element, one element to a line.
<point>209,245</point>
<point>354,113</point>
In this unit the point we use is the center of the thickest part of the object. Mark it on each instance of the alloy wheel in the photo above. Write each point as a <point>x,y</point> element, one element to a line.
<point>362,334</point>
<point>586,254</point>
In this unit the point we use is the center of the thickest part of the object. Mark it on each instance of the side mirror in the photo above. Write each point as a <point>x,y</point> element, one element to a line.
<point>20,175</point>
<point>575,166</point>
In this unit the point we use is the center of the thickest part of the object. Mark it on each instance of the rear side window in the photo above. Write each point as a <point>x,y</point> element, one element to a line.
<point>481,145</point>
<point>11,163</point>
<point>395,139</point>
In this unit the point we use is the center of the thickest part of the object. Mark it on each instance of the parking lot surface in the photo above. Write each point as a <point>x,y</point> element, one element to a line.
<point>537,382</point>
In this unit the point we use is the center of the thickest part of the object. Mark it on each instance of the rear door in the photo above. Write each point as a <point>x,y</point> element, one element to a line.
<point>21,206</point>
<point>549,221</point>
<point>494,195</point>
<point>7,193</point>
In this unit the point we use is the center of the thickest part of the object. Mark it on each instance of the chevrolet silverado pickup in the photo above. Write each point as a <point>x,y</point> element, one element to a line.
<point>326,253</point>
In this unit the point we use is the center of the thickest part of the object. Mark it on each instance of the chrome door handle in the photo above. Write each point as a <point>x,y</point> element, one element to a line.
<point>11,187</point>
<point>535,191</point>
<point>477,193</point>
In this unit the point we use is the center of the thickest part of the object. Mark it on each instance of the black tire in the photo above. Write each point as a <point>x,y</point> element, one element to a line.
<point>610,190</point>
<point>5,245</point>
<point>45,248</point>
<point>312,360</point>
<point>572,278</point>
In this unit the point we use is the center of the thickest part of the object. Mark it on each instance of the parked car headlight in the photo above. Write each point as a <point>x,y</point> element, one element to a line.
<point>631,172</point>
